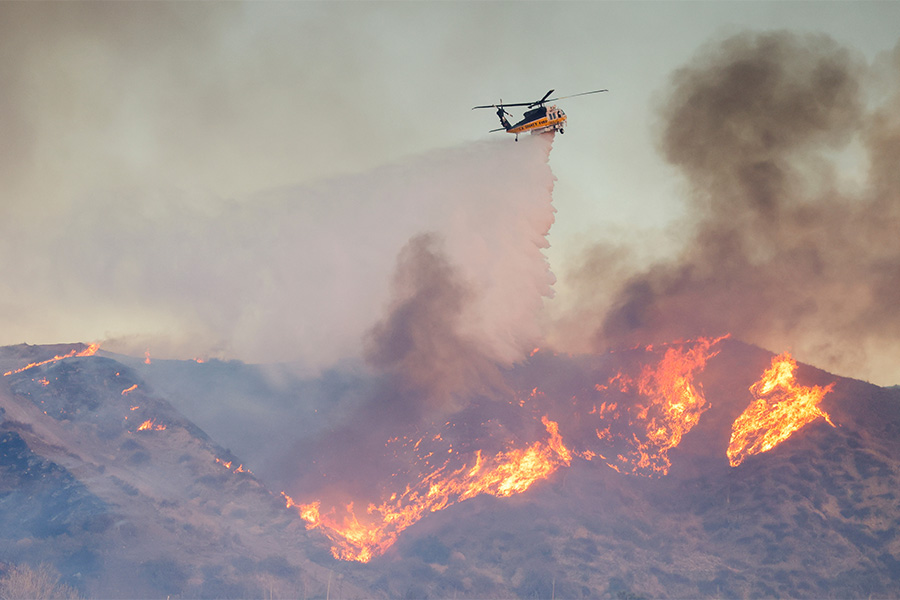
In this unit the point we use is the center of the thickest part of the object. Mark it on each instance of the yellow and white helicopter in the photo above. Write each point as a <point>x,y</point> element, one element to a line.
<point>540,119</point>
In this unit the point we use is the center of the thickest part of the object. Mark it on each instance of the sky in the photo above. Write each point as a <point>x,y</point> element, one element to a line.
<point>172,109</point>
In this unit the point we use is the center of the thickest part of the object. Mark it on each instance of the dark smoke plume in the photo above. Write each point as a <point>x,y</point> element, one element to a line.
<point>419,345</point>
<point>779,252</point>
<point>425,369</point>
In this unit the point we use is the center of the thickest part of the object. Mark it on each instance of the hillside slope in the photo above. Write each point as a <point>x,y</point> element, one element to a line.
<point>129,511</point>
<point>815,517</point>
<point>127,498</point>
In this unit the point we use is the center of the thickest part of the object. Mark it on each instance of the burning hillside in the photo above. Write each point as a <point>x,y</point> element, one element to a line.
<point>605,527</point>
<point>780,407</point>
<point>599,475</point>
<point>630,420</point>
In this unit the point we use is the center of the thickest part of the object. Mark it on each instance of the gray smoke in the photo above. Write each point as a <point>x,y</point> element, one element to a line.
<point>419,344</point>
<point>780,251</point>
<point>425,368</point>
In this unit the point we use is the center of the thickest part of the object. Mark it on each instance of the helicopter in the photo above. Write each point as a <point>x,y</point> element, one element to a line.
<point>540,119</point>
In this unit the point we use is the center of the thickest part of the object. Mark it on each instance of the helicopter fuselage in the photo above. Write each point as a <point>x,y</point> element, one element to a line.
<point>540,120</point>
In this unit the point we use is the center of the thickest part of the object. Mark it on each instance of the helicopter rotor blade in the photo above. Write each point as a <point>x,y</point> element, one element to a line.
<point>574,95</point>
<point>540,102</point>
<point>504,105</point>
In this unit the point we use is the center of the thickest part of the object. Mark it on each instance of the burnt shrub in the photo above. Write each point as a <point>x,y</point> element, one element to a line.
<point>216,587</point>
<point>138,458</point>
<point>430,550</point>
<point>278,566</point>
<point>165,575</point>
<point>83,562</point>
<point>537,583</point>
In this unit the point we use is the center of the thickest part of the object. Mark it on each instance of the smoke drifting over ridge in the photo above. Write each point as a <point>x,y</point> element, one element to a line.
<point>419,343</point>
<point>780,251</point>
<point>297,274</point>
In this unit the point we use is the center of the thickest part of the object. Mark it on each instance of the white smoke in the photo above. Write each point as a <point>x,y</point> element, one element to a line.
<point>296,274</point>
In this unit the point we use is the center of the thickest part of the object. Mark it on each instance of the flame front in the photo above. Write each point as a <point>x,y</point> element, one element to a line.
<point>504,474</point>
<point>89,351</point>
<point>670,406</point>
<point>780,408</point>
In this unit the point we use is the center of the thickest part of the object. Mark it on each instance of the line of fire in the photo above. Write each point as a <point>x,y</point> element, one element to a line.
<point>628,422</point>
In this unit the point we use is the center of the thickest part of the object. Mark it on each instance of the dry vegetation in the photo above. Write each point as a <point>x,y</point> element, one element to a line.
<point>21,582</point>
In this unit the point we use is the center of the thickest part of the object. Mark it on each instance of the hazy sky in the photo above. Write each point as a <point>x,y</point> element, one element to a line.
<point>236,98</point>
<point>227,100</point>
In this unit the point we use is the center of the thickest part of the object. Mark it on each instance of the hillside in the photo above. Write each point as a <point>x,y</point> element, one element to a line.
<point>127,498</point>
<point>815,517</point>
<point>126,511</point>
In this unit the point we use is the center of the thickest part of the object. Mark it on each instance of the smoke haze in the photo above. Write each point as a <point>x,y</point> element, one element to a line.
<point>419,343</point>
<point>780,250</point>
<point>297,274</point>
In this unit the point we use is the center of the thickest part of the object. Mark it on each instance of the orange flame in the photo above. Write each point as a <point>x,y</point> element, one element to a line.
<point>89,351</point>
<point>504,474</point>
<point>150,425</point>
<point>128,390</point>
<point>671,406</point>
<point>308,512</point>
<point>780,408</point>
<point>147,356</point>
<point>227,464</point>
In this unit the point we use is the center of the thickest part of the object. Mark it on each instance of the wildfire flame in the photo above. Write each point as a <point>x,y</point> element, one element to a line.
<point>151,425</point>
<point>670,406</point>
<point>636,416</point>
<point>504,474</point>
<point>780,408</point>
<point>89,351</point>
<point>128,390</point>
<point>227,464</point>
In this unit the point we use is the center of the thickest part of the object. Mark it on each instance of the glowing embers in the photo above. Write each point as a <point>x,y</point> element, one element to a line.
<point>228,465</point>
<point>151,425</point>
<point>644,415</point>
<point>780,408</point>
<point>502,474</point>
<point>89,351</point>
